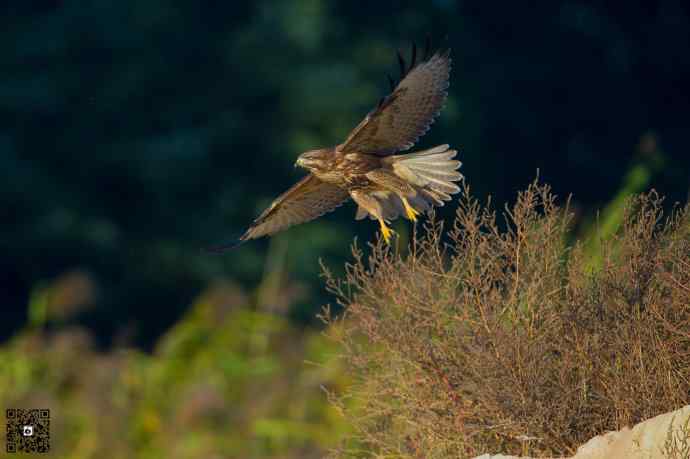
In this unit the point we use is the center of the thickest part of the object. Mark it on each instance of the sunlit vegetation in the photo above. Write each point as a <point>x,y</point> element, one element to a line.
<point>225,381</point>
<point>484,339</point>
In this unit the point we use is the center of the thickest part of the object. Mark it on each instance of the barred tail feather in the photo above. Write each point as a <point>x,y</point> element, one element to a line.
<point>433,170</point>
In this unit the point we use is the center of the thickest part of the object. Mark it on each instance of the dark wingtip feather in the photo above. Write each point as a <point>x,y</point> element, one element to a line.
<point>405,69</point>
<point>391,82</point>
<point>446,52</point>
<point>401,61</point>
<point>220,248</point>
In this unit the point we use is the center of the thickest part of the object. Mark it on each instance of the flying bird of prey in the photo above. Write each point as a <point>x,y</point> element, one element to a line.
<point>367,166</point>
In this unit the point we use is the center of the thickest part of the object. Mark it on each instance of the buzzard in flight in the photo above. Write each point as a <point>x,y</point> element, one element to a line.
<point>367,167</point>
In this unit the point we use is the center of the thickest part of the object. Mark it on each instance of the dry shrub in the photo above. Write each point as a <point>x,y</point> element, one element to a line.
<point>503,340</point>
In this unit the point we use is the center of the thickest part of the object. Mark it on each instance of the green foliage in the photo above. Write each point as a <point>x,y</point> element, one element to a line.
<point>637,180</point>
<point>224,381</point>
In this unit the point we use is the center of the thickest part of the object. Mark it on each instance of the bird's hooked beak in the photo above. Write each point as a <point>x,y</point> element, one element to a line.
<point>303,162</point>
<point>312,159</point>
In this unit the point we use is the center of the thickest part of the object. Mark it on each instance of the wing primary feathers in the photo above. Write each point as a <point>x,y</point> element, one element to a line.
<point>404,68</point>
<point>406,113</point>
<point>391,82</point>
<point>220,248</point>
<point>304,201</point>
<point>401,61</point>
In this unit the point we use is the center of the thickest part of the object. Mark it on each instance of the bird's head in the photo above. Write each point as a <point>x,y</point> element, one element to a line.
<point>315,160</point>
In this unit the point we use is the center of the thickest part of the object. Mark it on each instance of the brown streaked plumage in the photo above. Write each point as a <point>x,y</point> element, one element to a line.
<point>365,166</point>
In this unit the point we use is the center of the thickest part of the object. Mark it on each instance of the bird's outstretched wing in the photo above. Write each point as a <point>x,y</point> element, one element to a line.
<point>306,200</point>
<point>406,114</point>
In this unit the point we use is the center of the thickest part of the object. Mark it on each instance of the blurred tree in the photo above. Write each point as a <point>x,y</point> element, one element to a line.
<point>128,129</point>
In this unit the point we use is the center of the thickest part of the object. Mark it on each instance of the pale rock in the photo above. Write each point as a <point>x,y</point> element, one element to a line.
<point>644,441</point>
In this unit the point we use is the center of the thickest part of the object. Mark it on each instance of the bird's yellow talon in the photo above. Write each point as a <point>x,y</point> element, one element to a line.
<point>386,231</point>
<point>409,211</point>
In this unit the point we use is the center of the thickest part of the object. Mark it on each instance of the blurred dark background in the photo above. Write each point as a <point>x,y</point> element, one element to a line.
<point>132,133</point>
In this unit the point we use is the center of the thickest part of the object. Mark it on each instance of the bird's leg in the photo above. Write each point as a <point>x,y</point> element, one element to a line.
<point>409,210</point>
<point>385,231</point>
